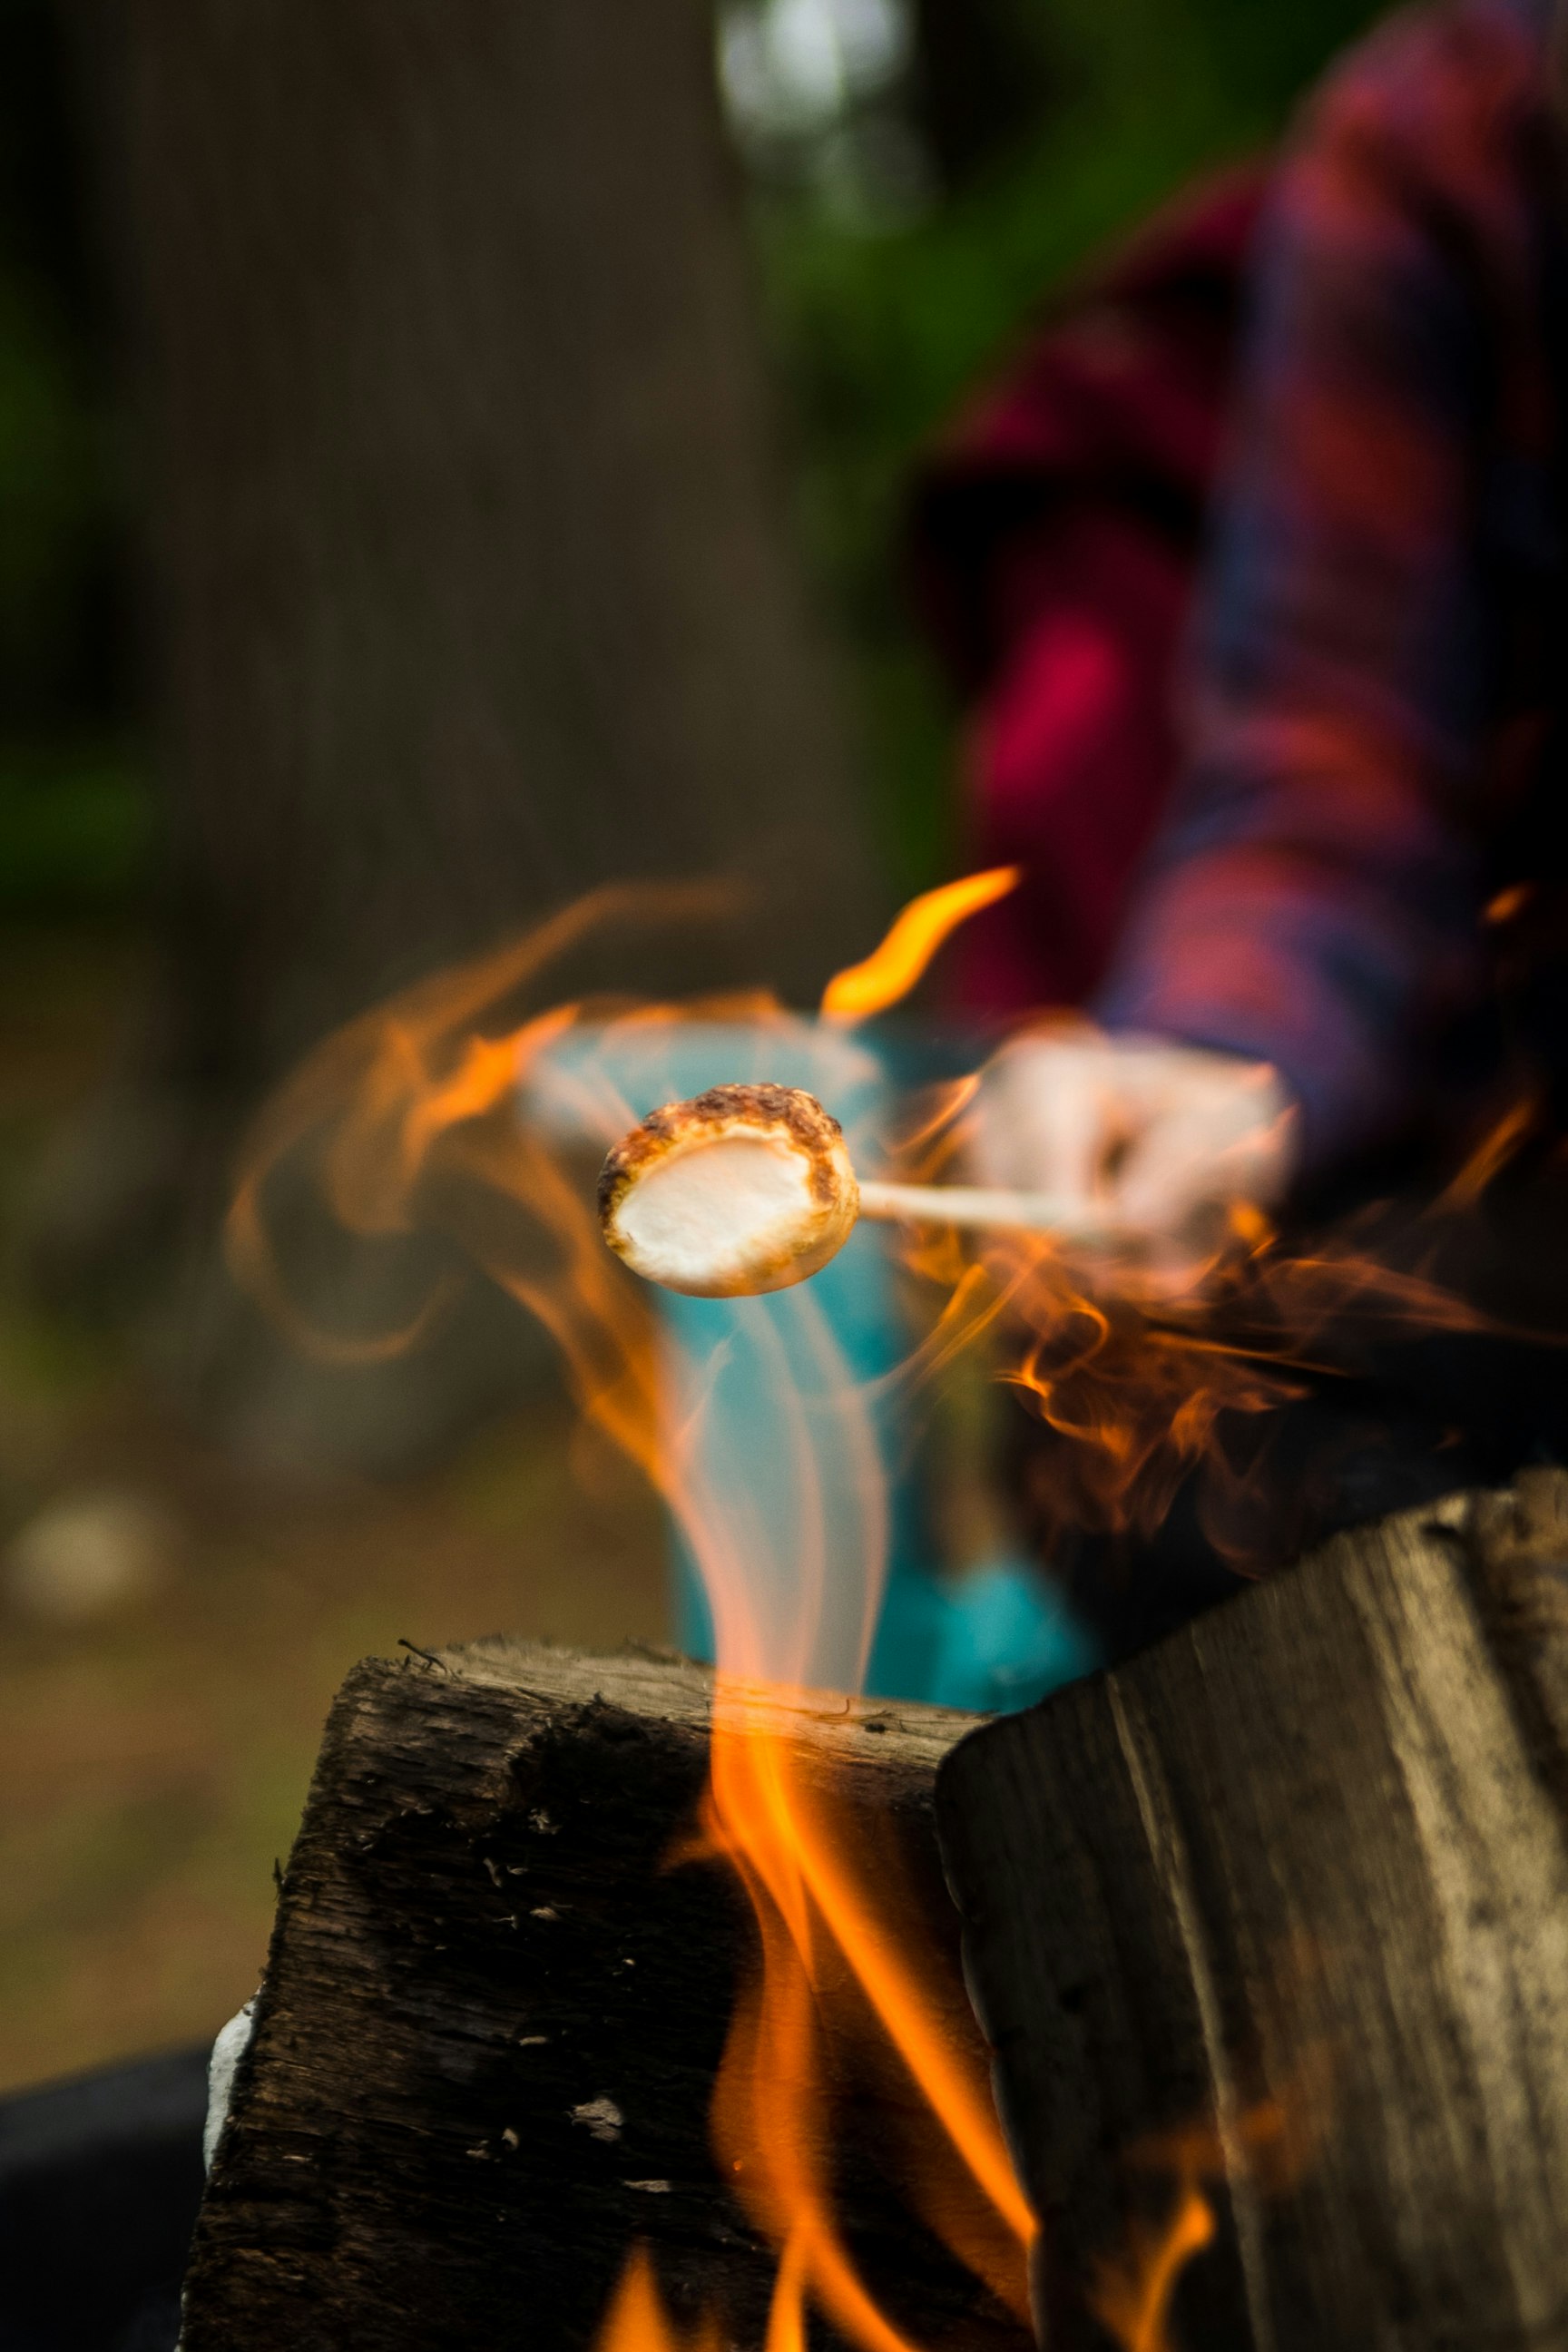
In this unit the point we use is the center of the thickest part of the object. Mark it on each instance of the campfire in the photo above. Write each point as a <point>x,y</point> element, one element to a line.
<point>1167,2173</point>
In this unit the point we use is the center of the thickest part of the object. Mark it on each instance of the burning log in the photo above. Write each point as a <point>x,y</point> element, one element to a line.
<point>496,1996</point>
<point>1269,1930</point>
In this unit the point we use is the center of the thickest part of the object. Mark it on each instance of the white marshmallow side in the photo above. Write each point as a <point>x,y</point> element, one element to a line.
<point>716,1218</point>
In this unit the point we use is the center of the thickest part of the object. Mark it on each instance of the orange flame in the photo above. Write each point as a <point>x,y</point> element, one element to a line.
<point>637,2320</point>
<point>892,969</point>
<point>1518,1124</point>
<point>817,1923</point>
<point>407,1119</point>
<point>1134,2299</point>
<point>407,1116</point>
<point>1144,1385</point>
<point>1133,2294</point>
<point>1508,903</point>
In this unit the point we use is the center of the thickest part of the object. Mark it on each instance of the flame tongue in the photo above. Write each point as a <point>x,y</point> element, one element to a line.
<point>894,966</point>
<point>409,1111</point>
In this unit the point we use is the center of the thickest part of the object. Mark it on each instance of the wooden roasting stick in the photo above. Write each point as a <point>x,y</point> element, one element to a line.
<point>975,1208</point>
<point>1276,1915</point>
<point>493,2012</point>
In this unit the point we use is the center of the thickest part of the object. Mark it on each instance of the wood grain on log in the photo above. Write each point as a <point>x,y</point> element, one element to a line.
<point>493,2013</point>
<point>1294,1885</point>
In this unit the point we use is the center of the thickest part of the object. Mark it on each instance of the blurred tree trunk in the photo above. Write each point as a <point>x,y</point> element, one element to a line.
<point>473,589</point>
<point>469,586</point>
<point>984,82</point>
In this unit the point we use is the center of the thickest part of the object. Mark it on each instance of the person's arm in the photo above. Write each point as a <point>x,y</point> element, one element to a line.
<point>1313,901</point>
<point>1310,910</point>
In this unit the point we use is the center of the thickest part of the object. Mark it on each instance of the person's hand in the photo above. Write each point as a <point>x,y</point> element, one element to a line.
<point>1159,1140</point>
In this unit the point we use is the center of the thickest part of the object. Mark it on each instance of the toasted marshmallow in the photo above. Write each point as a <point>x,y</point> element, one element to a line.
<point>744,1190</point>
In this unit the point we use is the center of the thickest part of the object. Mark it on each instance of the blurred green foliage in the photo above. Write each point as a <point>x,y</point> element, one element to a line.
<point>76,827</point>
<point>879,332</point>
<point>50,495</point>
<point>1100,109</point>
<point>75,809</point>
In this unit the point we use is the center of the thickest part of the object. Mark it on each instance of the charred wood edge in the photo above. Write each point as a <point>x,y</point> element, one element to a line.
<point>675,1689</point>
<point>1369,1750</point>
<point>429,1747</point>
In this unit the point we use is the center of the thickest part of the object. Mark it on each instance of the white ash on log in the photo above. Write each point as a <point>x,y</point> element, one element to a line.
<point>493,2013</point>
<point>1312,1849</point>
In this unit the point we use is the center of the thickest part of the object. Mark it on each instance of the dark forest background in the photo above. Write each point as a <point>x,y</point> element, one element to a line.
<point>915,186</point>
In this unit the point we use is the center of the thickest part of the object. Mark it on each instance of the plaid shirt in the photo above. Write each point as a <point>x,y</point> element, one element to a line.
<point>1379,643</point>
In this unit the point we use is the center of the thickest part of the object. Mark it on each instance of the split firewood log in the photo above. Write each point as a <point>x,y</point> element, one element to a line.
<point>494,2007</point>
<point>1268,1930</point>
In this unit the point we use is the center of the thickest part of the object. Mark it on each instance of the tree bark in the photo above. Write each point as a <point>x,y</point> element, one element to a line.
<point>493,2012</point>
<point>469,586</point>
<point>982,82</point>
<point>468,550</point>
<point>1277,1912</point>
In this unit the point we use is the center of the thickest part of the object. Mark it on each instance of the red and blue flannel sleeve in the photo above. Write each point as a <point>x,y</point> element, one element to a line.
<point>1314,898</point>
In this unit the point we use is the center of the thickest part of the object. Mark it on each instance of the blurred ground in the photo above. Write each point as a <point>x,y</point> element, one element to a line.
<point>153,1759</point>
